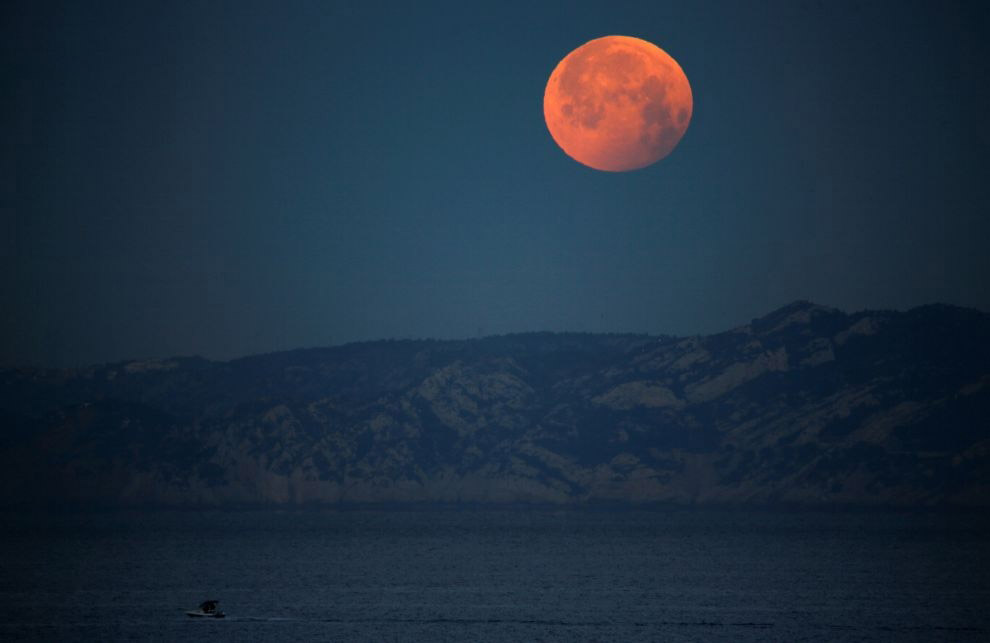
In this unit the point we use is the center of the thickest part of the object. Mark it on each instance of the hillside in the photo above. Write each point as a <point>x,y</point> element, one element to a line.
<point>805,406</point>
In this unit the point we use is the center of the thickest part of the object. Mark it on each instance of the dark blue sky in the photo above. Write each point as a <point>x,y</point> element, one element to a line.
<point>231,178</point>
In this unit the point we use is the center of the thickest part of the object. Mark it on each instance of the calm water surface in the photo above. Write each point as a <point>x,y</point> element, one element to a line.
<point>496,576</point>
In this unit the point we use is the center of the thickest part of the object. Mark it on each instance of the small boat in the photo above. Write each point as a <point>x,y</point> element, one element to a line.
<point>207,609</point>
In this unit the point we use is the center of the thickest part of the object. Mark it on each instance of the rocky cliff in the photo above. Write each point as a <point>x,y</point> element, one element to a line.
<point>806,406</point>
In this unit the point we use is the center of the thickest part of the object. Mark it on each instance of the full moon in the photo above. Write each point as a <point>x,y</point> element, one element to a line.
<point>617,103</point>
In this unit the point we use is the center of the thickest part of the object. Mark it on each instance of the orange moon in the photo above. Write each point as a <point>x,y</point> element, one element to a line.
<point>617,103</point>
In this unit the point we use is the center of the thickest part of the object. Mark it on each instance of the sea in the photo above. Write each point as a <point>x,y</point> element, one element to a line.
<point>492,575</point>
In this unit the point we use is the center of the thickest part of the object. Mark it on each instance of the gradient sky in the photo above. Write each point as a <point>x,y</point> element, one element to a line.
<point>232,178</point>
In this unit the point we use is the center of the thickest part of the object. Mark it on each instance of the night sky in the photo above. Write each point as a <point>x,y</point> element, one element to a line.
<point>225,179</point>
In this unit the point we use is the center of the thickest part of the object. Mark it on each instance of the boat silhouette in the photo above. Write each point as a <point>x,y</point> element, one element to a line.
<point>207,609</point>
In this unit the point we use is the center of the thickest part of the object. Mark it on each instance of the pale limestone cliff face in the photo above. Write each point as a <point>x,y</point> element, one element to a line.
<point>736,375</point>
<point>640,393</point>
<point>469,401</point>
<point>865,326</point>
<point>806,406</point>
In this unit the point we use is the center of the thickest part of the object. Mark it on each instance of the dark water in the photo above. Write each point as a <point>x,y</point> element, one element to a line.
<point>496,576</point>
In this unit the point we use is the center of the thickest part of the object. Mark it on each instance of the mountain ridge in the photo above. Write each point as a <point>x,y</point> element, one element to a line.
<point>805,406</point>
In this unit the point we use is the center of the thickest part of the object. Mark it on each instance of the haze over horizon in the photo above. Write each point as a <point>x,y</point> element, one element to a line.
<point>150,360</point>
<point>233,179</point>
